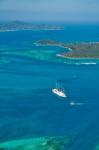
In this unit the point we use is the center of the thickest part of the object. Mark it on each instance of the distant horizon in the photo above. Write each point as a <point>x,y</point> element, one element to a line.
<point>69,11</point>
<point>50,22</point>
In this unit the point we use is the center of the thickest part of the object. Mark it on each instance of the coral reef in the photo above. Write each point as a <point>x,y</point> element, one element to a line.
<point>42,143</point>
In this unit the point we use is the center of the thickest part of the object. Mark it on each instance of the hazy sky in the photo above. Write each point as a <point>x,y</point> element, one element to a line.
<point>50,10</point>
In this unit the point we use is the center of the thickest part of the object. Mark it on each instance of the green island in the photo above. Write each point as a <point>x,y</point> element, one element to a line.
<point>69,53</point>
<point>82,50</point>
<point>20,25</point>
<point>41,143</point>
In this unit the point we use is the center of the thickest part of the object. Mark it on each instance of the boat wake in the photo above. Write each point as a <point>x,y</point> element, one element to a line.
<point>72,103</point>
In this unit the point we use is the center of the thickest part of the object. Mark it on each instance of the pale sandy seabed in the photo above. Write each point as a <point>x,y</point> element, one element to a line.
<point>42,143</point>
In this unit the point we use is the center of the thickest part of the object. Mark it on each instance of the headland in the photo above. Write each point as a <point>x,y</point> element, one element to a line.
<point>83,50</point>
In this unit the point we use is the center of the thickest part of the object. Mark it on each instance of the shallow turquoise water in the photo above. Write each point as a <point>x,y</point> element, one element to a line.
<point>27,106</point>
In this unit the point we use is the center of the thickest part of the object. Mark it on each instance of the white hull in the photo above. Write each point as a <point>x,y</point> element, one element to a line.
<point>59,93</point>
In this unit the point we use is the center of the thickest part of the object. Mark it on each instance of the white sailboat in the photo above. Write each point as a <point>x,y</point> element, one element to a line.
<point>59,91</point>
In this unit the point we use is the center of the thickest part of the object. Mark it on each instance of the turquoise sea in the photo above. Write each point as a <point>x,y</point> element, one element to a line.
<point>28,108</point>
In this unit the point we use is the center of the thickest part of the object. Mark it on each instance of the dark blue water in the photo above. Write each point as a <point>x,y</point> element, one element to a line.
<point>27,106</point>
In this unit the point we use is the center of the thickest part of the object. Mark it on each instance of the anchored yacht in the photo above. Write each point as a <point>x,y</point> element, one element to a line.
<point>59,91</point>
